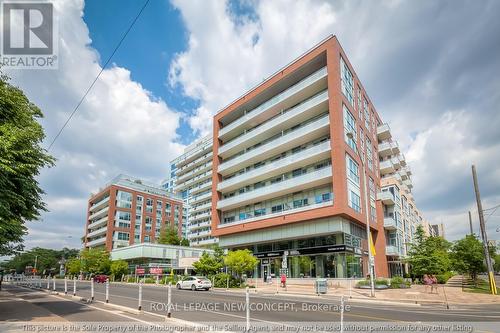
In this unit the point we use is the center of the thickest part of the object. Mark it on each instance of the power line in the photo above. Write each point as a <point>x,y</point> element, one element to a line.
<point>98,75</point>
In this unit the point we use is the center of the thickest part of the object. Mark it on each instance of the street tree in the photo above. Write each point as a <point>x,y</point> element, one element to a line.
<point>21,159</point>
<point>73,266</point>
<point>45,259</point>
<point>95,261</point>
<point>169,236</point>
<point>468,256</point>
<point>240,261</point>
<point>208,264</point>
<point>119,268</point>
<point>185,242</point>
<point>428,255</point>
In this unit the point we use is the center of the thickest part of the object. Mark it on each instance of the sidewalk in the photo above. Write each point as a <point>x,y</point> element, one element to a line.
<point>450,293</point>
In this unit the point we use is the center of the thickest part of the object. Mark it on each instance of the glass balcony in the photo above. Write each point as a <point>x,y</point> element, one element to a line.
<point>287,98</point>
<point>384,132</point>
<point>201,208</point>
<point>294,184</point>
<point>99,213</point>
<point>286,164</point>
<point>99,222</point>
<point>301,135</point>
<point>98,232</point>
<point>386,197</point>
<point>392,250</point>
<point>390,223</point>
<point>300,113</point>
<point>96,242</point>
<point>385,149</point>
<point>386,167</point>
<point>99,204</point>
<point>196,171</point>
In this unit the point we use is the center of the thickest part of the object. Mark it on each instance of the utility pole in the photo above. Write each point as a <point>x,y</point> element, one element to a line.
<point>470,224</point>
<point>491,277</point>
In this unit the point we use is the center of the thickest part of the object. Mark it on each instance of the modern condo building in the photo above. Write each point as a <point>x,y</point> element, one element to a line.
<point>191,179</point>
<point>287,182</point>
<point>129,211</point>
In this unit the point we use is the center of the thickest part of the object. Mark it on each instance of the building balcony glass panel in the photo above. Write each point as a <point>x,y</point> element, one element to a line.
<point>202,242</point>
<point>99,204</point>
<point>199,198</point>
<point>392,250</point>
<point>289,163</point>
<point>386,167</point>
<point>196,171</point>
<point>198,217</point>
<point>193,155</point>
<point>386,197</point>
<point>384,132</point>
<point>199,161</point>
<point>97,232</point>
<point>99,222</point>
<point>196,226</point>
<point>301,135</point>
<point>202,177</point>
<point>390,223</point>
<point>395,148</point>
<point>306,110</point>
<point>385,149</point>
<point>295,184</point>
<point>408,183</point>
<point>289,97</point>
<point>96,242</point>
<point>99,213</point>
<point>396,163</point>
<point>201,208</point>
<point>201,188</point>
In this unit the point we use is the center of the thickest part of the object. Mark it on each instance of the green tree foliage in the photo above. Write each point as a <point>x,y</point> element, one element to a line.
<point>73,266</point>
<point>169,236</point>
<point>47,259</point>
<point>468,256</point>
<point>208,264</point>
<point>119,268</point>
<point>241,261</point>
<point>95,261</point>
<point>21,159</point>
<point>496,265</point>
<point>429,255</point>
<point>184,242</point>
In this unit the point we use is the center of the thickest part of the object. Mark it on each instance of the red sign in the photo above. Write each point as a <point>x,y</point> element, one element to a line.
<point>140,271</point>
<point>156,270</point>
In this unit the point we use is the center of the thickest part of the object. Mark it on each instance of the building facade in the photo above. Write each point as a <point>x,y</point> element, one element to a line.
<point>191,179</point>
<point>129,211</point>
<point>288,163</point>
<point>401,216</point>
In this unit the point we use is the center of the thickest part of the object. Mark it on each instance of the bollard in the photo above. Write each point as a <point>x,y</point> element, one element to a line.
<point>140,295</point>
<point>227,283</point>
<point>48,282</point>
<point>74,286</point>
<point>277,287</point>
<point>54,283</point>
<point>107,290</point>
<point>169,300</point>
<point>342,314</point>
<point>157,280</point>
<point>247,300</point>
<point>65,285</point>
<point>350,288</point>
<point>92,289</point>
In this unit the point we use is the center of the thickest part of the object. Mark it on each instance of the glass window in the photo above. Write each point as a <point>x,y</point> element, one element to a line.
<point>349,127</point>
<point>149,205</point>
<point>277,208</point>
<point>352,170</point>
<point>347,81</point>
<point>123,199</point>
<point>123,236</point>
<point>354,201</point>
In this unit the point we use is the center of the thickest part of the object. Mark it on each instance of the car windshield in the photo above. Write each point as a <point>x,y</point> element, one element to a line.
<point>202,278</point>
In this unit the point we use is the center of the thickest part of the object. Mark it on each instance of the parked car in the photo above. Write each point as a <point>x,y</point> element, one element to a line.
<point>100,278</point>
<point>194,283</point>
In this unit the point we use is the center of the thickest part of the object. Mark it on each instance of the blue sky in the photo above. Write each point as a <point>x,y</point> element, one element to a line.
<point>428,68</point>
<point>142,52</point>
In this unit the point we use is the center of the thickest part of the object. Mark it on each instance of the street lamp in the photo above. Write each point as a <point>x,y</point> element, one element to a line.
<point>371,263</point>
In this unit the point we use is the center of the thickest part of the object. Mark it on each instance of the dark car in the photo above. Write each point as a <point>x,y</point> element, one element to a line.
<point>100,278</point>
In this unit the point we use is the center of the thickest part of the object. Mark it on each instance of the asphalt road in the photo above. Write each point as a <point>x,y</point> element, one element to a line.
<point>222,306</point>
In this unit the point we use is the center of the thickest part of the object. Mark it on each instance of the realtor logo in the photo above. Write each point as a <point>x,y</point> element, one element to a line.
<point>28,35</point>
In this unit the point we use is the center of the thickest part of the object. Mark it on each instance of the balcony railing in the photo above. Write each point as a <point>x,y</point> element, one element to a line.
<point>199,198</point>
<point>273,102</point>
<point>311,131</point>
<point>193,164</point>
<point>201,187</point>
<point>196,226</point>
<point>198,217</point>
<point>392,250</point>
<point>99,213</point>
<point>384,132</point>
<point>196,171</point>
<point>97,242</point>
<point>99,204</point>
<point>390,223</point>
<point>201,207</point>
<point>99,222</point>
<point>97,232</point>
<point>301,112</point>
<point>386,197</point>
<point>294,184</point>
<point>294,161</point>
<point>386,167</point>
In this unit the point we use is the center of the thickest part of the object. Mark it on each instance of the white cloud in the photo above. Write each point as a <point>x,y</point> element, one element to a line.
<point>120,128</point>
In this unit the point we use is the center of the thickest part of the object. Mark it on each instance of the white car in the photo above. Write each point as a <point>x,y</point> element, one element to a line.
<point>194,283</point>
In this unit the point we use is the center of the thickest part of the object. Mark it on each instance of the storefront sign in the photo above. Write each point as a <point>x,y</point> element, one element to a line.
<point>156,270</point>
<point>140,271</point>
<point>312,250</point>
